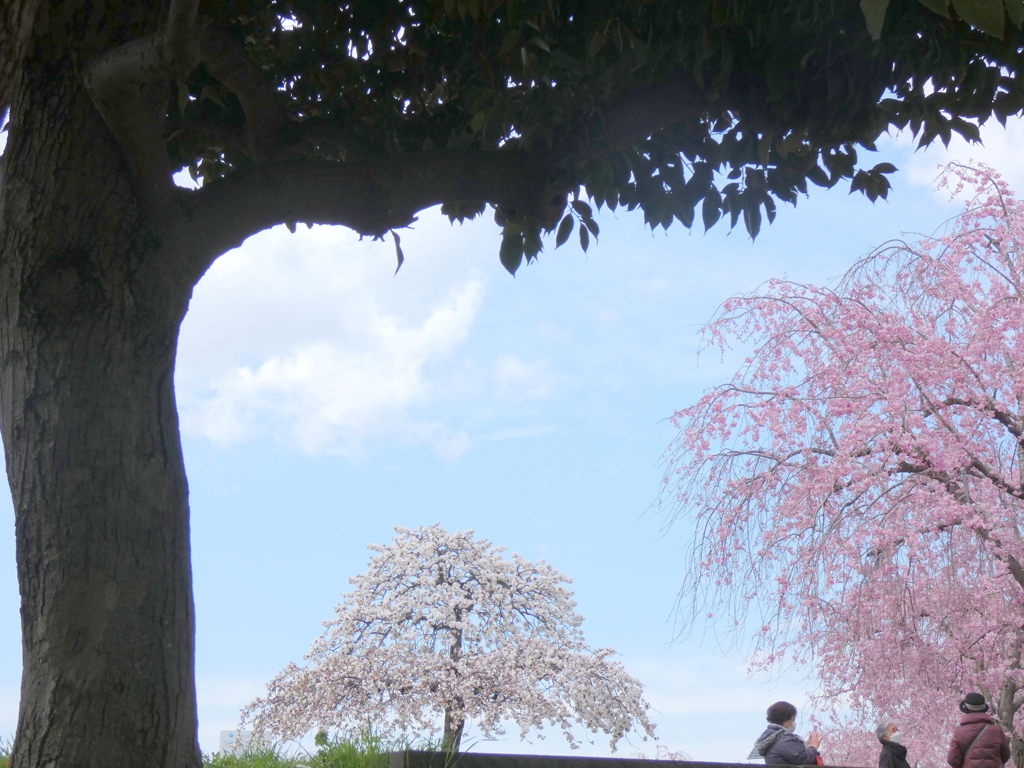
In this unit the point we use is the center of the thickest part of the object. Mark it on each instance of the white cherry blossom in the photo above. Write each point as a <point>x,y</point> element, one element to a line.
<point>443,628</point>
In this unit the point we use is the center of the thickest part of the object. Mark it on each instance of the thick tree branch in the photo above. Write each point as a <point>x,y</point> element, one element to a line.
<point>173,52</point>
<point>180,44</point>
<point>1006,418</point>
<point>1016,570</point>
<point>216,136</point>
<point>369,196</point>
<point>130,85</point>
<point>271,135</point>
<point>959,493</point>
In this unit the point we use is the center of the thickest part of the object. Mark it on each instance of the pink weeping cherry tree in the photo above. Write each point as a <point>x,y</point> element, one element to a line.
<point>442,628</point>
<point>856,489</point>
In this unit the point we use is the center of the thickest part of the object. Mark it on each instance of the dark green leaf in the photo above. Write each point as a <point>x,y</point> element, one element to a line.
<point>511,252</point>
<point>182,97</point>
<point>1015,10</point>
<point>398,251</point>
<point>511,40</point>
<point>752,217</point>
<point>540,42</point>
<point>939,6</point>
<point>986,15</point>
<point>582,209</point>
<point>564,229</point>
<point>584,239</point>
<point>210,92</point>
<point>683,210</point>
<point>819,177</point>
<point>532,244</point>
<point>874,15</point>
<point>711,209</point>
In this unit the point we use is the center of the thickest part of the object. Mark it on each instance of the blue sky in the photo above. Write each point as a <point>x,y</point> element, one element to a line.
<point>325,401</point>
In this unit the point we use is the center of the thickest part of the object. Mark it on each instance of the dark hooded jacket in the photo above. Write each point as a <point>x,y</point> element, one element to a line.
<point>780,747</point>
<point>990,751</point>
<point>893,756</point>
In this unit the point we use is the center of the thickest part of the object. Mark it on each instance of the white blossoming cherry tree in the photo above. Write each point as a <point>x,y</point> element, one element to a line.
<point>442,627</point>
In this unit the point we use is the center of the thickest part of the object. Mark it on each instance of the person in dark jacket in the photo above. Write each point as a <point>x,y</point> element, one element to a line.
<point>978,742</point>
<point>894,754</point>
<point>778,745</point>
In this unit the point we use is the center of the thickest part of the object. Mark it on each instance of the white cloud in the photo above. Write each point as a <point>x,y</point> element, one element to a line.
<point>311,338</point>
<point>516,378</point>
<point>339,394</point>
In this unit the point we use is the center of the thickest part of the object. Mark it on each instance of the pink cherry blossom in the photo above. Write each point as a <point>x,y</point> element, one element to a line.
<point>443,628</point>
<point>856,489</point>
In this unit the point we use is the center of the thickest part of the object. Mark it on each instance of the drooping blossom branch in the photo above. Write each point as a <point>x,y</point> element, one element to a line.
<point>859,481</point>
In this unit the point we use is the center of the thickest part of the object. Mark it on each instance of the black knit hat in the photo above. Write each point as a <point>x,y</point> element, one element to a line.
<point>973,702</point>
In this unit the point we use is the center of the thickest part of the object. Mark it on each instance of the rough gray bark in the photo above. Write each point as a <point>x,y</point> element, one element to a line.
<point>91,298</point>
<point>1006,701</point>
<point>16,18</point>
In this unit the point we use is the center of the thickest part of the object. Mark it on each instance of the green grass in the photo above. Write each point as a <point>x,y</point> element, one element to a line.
<point>364,750</point>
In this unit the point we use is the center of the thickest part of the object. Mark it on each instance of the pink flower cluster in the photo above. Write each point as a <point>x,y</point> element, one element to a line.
<point>442,626</point>
<point>858,483</point>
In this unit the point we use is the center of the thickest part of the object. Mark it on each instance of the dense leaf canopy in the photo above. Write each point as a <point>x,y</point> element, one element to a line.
<point>688,110</point>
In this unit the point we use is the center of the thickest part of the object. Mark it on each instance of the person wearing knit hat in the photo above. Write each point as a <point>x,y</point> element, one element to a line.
<point>978,742</point>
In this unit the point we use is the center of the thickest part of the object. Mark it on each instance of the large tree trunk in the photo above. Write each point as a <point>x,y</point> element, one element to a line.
<point>16,18</point>
<point>90,306</point>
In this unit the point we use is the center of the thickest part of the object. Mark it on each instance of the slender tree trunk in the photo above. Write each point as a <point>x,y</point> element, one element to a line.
<point>452,737</point>
<point>90,306</point>
<point>454,722</point>
<point>1005,712</point>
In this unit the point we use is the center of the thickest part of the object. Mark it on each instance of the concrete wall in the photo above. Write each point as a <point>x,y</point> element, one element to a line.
<point>417,759</point>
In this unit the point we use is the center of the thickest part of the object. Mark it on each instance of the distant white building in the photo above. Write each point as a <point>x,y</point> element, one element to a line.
<point>232,742</point>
